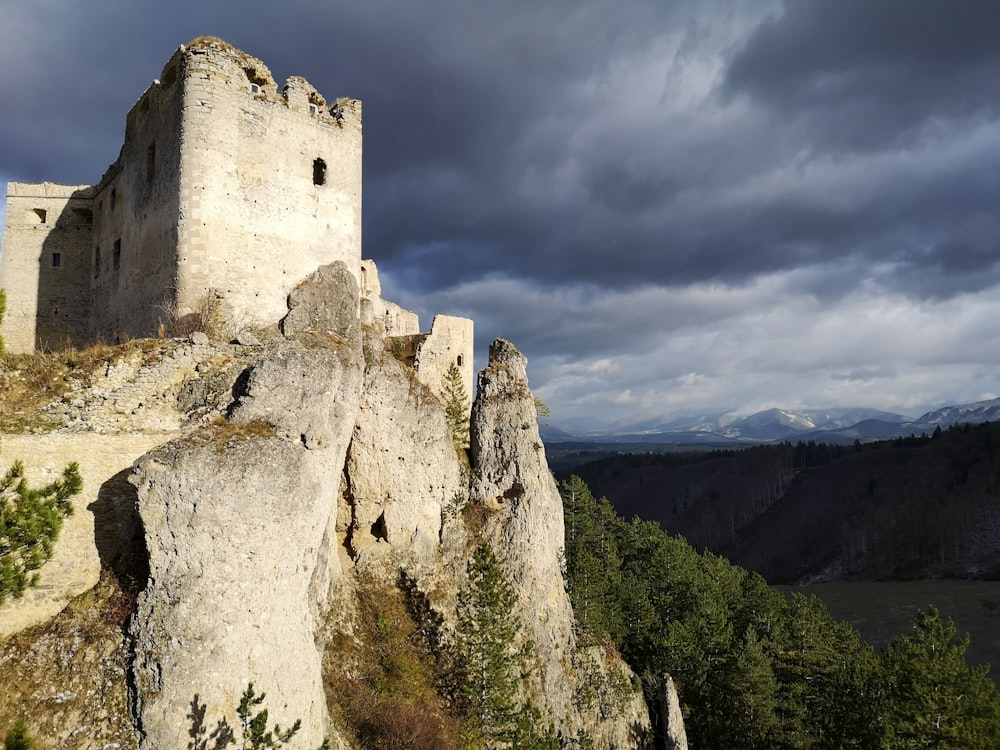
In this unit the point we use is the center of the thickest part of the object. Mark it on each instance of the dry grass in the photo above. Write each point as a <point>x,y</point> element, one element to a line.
<point>30,382</point>
<point>382,687</point>
<point>208,316</point>
<point>48,674</point>
<point>222,433</point>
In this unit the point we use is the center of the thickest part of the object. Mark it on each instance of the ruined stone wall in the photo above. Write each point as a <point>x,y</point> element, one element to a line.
<point>450,342</point>
<point>388,317</point>
<point>225,186</point>
<point>271,182</point>
<point>134,264</point>
<point>47,236</point>
<point>93,533</point>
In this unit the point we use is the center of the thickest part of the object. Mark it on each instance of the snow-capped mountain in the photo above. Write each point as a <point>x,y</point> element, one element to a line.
<point>980,411</point>
<point>821,425</point>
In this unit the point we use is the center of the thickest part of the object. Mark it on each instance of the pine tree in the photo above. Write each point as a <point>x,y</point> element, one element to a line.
<point>19,738</point>
<point>489,660</point>
<point>935,698</point>
<point>456,406</point>
<point>256,735</point>
<point>30,521</point>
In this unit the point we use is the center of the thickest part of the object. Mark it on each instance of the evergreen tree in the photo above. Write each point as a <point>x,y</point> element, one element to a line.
<point>253,722</point>
<point>489,660</point>
<point>935,698</point>
<point>456,406</point>
<point>19,738</point>
<point>754,670</point>
<point>593,564</point>
<point>30,521</point>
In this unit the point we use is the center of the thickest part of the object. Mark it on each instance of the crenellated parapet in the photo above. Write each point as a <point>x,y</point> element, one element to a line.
<point>227,187</point>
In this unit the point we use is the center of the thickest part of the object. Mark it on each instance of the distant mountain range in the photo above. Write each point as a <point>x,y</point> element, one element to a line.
<point>838,426</point>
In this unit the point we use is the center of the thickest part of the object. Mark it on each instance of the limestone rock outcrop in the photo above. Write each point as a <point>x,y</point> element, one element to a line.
<point>512,478</point>
<point>235,519</point>
<point>333,465</point>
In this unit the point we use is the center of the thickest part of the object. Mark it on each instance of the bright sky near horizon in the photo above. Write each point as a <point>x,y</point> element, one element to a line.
<point>671,208</point>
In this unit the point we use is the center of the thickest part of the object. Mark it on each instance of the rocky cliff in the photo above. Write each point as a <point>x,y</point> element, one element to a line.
<point>332,471</point>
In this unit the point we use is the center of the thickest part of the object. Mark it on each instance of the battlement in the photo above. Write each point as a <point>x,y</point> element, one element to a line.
<point>225,186</point>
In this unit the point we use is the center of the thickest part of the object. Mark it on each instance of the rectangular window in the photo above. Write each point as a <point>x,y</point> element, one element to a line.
<point>116,256</point>
<point>150,162</point>
<point>57,260</point>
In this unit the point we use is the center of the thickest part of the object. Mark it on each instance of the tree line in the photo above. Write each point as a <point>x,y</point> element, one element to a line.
<point>907,508</point>
<point>755,669</point>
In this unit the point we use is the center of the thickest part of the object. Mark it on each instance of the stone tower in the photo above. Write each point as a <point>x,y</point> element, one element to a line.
<point>225,187</point>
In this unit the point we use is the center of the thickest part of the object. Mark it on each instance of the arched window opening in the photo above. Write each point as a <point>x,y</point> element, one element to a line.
<point>319,172</point>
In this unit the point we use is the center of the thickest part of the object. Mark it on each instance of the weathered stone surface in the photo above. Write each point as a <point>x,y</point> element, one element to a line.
<point>676,738</point>
<point>335,463</point>
<point>526,531</point>
<point>233,539</point>
<point>327,301</point>
<point>402,468</point>
<point>236,529</point>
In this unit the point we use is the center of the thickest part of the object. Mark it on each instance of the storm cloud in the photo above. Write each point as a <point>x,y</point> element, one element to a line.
<point>670,207</point>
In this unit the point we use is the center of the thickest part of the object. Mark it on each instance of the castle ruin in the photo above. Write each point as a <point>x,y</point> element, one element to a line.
<point>227,190</point>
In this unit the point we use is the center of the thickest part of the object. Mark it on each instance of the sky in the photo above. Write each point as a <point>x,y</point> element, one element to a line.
<point>672,208</point>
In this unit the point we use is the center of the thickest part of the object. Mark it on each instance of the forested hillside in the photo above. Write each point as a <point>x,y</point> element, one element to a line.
<point>910,508</point>
<point>754,669</point>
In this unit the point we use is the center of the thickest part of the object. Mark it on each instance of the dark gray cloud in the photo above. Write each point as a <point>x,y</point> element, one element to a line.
<point>708,185</point>
<point>870,75</point>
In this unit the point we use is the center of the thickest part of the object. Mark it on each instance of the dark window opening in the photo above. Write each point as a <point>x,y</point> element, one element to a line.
<point>319,172</point>
<point>83,216</point>
<point>97,262</point>
<point>41,213</point>
<point>55,312</point>
<point>116,256</point>
<point>114,198</point>
<point>256,79</point>
<point>150,162</point>
<point>57,260</point>
<point>378,529</point>
<point>459,360</point>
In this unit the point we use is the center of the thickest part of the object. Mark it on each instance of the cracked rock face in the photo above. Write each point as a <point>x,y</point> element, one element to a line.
<point>236,522</point>
<point>512,478</point>
<point>402,469</point>
<point>336,463</point>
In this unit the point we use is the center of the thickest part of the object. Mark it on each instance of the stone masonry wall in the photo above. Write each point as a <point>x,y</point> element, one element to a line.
<point>254,221</point>
<point>98,513</point>
<point>225,187</point>
<point>448,343</point>
<point>134,267</point>
<point>47,237</point>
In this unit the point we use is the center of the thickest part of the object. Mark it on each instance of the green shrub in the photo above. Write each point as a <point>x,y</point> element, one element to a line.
<point>30,521</point>
<point>19,738</point>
